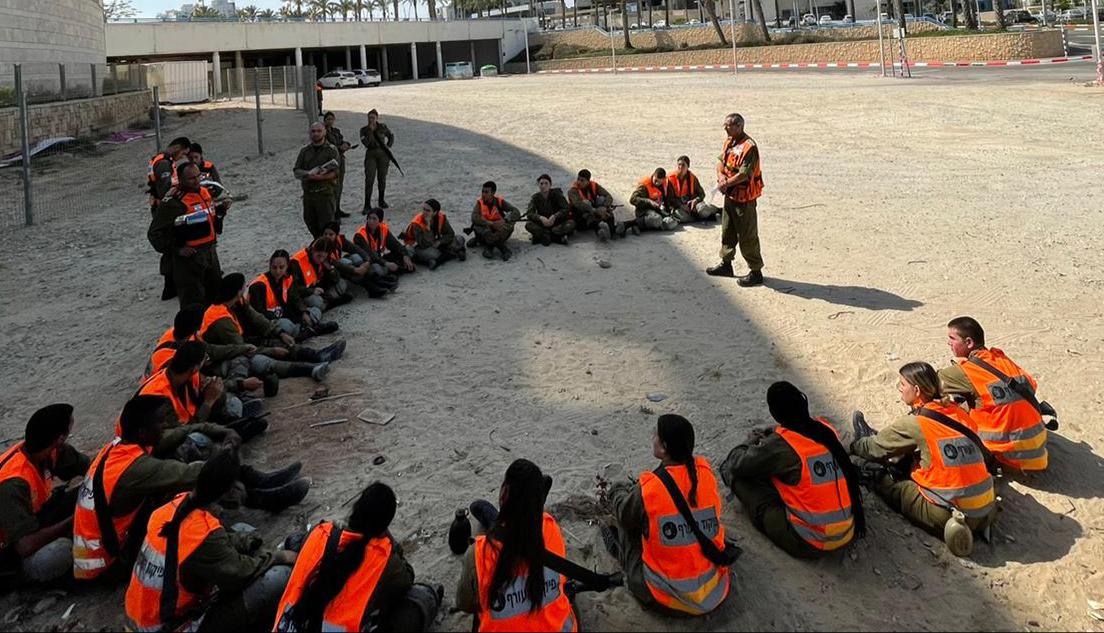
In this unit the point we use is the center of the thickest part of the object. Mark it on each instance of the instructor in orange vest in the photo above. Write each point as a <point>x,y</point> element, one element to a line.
<point>796,481</point>
<point>740,178</point>
<point>1000,397</point>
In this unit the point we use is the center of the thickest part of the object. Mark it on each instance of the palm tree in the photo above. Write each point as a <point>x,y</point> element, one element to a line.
<point>711,11</point>
<point>396,9</point>
<point>667,12</point>
<point>205,12</point>
<point>431,7</point>
<point>757,6</point>
<point>267,14</point>
<point>249,13</point>
<point>318,9</point>
<point>346,7</point>
<point>414,5</point>
<point>1000,14</point>
<point>563,13</point>
<point>575,13</point>
<point>625,23</point>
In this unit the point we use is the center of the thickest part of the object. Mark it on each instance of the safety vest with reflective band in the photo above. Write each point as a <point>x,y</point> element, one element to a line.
<point>676,571</point>
<point>346,611</point>
<point>164,351</point>
<point>682,190</point>
<point>491,212</point>
<point>377,246</point>
<point>311,275</point>
<point>151,178</point>
<point>216,313</point>
<point>199,224</point>
<point>733,156</point>
<point>511,610</point>
<point>420,221</point>
<point>338,250</point>
<point>147,582</point>
<point>957,476</point>
<point>185,402</point>
<point>276,304</point>
<point>590,193</point>
<point>655,194</point>
<point>1010,426</point>
<point>14,464</point>
<point>91,557</point>
<point>819,505</point>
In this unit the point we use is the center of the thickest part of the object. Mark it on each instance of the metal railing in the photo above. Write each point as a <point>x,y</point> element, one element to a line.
<point>49,82</point>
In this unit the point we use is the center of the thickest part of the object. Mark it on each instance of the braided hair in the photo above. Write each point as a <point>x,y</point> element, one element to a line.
<point>677,435</point>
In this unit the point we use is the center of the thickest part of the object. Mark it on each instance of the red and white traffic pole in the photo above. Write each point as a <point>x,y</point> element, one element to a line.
<point>1096,35</point>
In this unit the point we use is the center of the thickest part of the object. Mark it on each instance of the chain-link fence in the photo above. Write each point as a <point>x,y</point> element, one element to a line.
<point>55,119</point>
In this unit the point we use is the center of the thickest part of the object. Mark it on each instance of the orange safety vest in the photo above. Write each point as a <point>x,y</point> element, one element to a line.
<point>420,221</point>
<point>957,476</point>
<point>733,156</point>
<point>676,571</point>
<point>346,611</point>
<point>511,610</point>
<point>185,404</point>
<point>216,313</point>
<point>656,194</point>
<point>147,582</point>
<point>491,212</point>
<point>588,194</point>
<point>311,276</point>
<point>338,250</point>
<point>151,178</point>
<point>682,191</point>
<point>14,464</point>
<point>1009,426</point>
<point>377,246</point>
<point>90,556</point>
<point>819,505</point>
<point>164,351</point>
<point>198,226</point>
<point>275,304</point>
<point>205,169</point>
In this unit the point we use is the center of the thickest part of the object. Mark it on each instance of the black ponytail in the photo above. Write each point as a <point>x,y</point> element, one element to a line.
<point>519,530</point>
<point>677,435</point>
<point>371,516</point>
<point>790,408</point>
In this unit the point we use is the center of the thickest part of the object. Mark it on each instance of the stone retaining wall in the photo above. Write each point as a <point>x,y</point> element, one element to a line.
<point>81,118</point>
<point>1001,46</point>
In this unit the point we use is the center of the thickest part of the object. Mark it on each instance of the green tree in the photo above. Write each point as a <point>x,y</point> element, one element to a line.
<point>201,11</point>
<point>625,23</point>
<point>318,9</point>
<point>711,10</point>
<point>267,15</point>
<point>116,9</point>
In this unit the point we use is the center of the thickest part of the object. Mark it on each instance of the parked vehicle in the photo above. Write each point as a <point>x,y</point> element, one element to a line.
<point>369,77</point>
<point>930,16</point>
<point>848,19</point>
<point>1019,16</point>
<point>808,20</point>
<point>1074,14</point>
<point>945,17</point>
<point>339,79</point>
<point>825,19</point>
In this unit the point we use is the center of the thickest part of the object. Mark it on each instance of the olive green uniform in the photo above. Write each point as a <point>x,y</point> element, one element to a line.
<point>489,236</point>
<point>740,222</point>
<point>337,139</point>
<point>955,383</point>
<point>376,161</point>
<point>195,276</point>
<point>584,212</point>
<point>631,517</point>
<point>749,470</point>
<point>701,212</point>
<point>435,246</point>
<point>650,218</point>
<point>904,438</point>
<point>319,202</point>
<point>264,334</point>
<point>555,206</point>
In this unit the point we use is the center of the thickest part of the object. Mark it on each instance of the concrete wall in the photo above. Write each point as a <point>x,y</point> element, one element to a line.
<point>1027,45</point>
<point>51,31</point>
<point>82,118</point>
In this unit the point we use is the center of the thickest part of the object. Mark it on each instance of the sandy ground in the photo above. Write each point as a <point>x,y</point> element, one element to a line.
<point>890,207</point>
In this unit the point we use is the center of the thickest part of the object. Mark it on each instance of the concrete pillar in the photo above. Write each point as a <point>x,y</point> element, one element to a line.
<point>216,76</point>
<point>500,55</point>
<point>414,59</point>
<point>239,64</point>
<point>348,58</point>
<point>471,44</point>
<point>383,64</point>
<point>363,57</point>
<point>298,56</point>
<point>440,63</point>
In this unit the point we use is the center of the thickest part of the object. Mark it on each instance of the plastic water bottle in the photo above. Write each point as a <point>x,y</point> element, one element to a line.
<point>459,536</point>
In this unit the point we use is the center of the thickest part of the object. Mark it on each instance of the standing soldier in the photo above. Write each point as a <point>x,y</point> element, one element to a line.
<point>337,139</point>
<point>376,138</point>
<point>185,230</point>
<point>740,178</point>
<point>317,167</point>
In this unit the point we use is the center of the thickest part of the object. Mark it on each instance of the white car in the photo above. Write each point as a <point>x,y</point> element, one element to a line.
<point>825,19</point>
<point>848,19</point>
<point>369,77</point>
<point>808,20</point>
<point>339,79</point>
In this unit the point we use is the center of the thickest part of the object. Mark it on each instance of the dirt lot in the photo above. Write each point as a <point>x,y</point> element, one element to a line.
<point>890,208</point>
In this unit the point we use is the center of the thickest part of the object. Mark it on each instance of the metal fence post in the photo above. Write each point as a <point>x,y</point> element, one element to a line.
<point>241,79</point>
<point>287,100</point>
<point>298,80</point>
<point>114,79</point>
<point>61,82</point>
<point>157,118</point>
<point>257,95</point>
<point>271,87</point>
<point>25,145</point>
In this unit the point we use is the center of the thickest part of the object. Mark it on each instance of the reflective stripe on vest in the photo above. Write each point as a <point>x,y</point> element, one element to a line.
<point>511,610</point>
<point>273,303</point>
<point>957,476</point>
<point>655,194</point>
<point>819,506</point>
<point>90,557</point>
<point>681,191</point>
<point>216,313</point>
<point>492,212</point>
<point>676,571</point>
<point>306,268</point>
<point>14,464</point>
<point>1011,427</point>
<point>419,220</point>
<point>733,156</point>
<point>346,611</point>
<point>379,246</point>
<point>143,596</point>
<point>185,404</point>
<point>197,225</point>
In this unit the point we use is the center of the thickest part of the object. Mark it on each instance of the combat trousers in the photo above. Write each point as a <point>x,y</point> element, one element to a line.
<point>319,209</point>
<point>740,227</point>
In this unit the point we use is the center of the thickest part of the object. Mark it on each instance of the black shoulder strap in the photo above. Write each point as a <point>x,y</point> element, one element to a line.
<point>169,589</point>
<point>709,548</point>
<point>1020,386</point>
<point>330,553</point>
<point>592,579</point>
<point>108,536</point>
<point>955,425</point>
